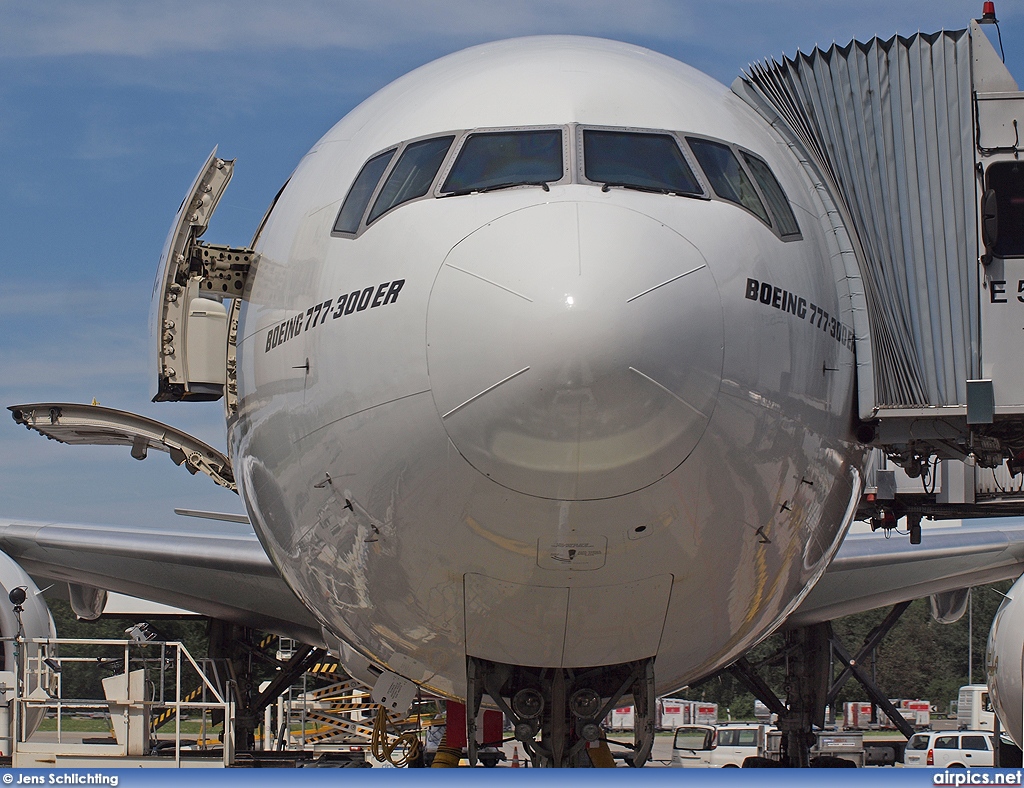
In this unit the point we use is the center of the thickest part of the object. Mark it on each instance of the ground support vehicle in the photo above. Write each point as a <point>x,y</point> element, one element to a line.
<point>845,745</point>
<point>739,744</point>
<point>974,709</point>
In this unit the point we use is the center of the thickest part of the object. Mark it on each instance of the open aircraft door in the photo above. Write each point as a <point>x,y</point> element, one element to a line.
<point>189,323</point>
<point>99,426</point>
<point>193,341</point>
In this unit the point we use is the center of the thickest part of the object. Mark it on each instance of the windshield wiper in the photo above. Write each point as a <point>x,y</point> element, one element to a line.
<point>496,187</point>
<point>637,187</point>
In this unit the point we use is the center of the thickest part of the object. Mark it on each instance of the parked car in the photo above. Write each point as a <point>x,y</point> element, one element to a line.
<point>950,749</point>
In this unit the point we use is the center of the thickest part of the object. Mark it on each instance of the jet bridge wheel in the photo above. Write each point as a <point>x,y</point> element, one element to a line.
<point>556,712</point>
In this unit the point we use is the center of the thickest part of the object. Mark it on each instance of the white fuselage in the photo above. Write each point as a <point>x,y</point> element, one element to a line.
<point>555,429</point>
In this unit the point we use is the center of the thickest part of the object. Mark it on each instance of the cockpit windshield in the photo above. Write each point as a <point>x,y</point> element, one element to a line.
<point>727,177</point>
<point>412,174</point>
<point>503,159</point>
<point>645,160</point>
<point>361,192</point>
<point>772,191</point>
<point>649,162</point>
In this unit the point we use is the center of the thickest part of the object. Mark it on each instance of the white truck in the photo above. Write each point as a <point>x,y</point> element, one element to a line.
<point>974,709</point>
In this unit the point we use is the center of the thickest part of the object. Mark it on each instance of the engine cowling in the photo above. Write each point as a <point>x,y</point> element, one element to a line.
<point>36,622</point>
<point>1005,662</point>
<point>950,606</point>
<point>35,617</point>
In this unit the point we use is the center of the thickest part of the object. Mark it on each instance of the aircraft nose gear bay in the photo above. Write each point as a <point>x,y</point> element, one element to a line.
<point>595,355</point>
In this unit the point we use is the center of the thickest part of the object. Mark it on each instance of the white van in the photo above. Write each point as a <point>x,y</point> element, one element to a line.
<point>950,749</point>
<point>726,746</point>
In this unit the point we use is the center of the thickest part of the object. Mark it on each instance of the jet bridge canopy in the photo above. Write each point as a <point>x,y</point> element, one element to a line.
<point>907,136</point>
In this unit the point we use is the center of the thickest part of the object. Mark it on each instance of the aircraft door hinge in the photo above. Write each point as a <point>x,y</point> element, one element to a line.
<point>222,270</point>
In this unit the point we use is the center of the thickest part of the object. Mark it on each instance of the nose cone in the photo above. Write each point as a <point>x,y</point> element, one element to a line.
<point>575,349</point>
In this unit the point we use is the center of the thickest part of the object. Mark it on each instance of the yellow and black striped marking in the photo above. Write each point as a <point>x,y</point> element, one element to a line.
<point>156,722</point>
<point>325,668</point>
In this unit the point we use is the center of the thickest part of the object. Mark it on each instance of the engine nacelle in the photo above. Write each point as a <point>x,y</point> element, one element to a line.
<point>1005,662</point>
<point>36,622</point>
<point>35,617</point>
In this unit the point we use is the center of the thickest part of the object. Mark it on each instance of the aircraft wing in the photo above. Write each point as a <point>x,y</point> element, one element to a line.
<point>870,571</point>
<point>218,570</point>
<point>221,569</point>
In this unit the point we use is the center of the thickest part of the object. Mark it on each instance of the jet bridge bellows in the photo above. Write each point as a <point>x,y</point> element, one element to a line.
<point>912,139</point>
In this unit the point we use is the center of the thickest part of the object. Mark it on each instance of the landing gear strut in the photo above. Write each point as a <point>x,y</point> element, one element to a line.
<point>563,706</point>
<point>238,649</point>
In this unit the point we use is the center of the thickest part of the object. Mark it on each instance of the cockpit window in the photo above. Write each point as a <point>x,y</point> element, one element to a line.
<point>412,174</point>
<point>362,190</point>
<point>637,160</point>
<point>502,159</point>
<point>727,176</point>
<point>778,203</point>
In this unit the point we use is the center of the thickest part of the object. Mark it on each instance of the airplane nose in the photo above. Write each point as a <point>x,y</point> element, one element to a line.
<point>575,349</point>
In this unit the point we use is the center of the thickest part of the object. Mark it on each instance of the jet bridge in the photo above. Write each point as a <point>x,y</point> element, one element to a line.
<point>914,146</point>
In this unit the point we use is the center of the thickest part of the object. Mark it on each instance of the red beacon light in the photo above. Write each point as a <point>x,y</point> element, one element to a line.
<point>988,12</point>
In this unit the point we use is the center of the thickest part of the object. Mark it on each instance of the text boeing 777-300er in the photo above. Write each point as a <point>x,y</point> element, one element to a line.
<point>541,382</point>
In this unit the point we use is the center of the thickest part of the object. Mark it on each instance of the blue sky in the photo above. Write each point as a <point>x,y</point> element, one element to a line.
<point>108,108</point>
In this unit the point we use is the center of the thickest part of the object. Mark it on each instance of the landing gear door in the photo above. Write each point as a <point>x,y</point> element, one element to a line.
<point>182,330</point>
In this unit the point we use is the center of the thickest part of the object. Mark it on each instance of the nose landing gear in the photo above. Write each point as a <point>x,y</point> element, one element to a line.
<point>564,707</point>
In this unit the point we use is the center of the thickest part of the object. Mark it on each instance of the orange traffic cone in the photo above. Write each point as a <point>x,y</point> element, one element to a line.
<point>515,757</point>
